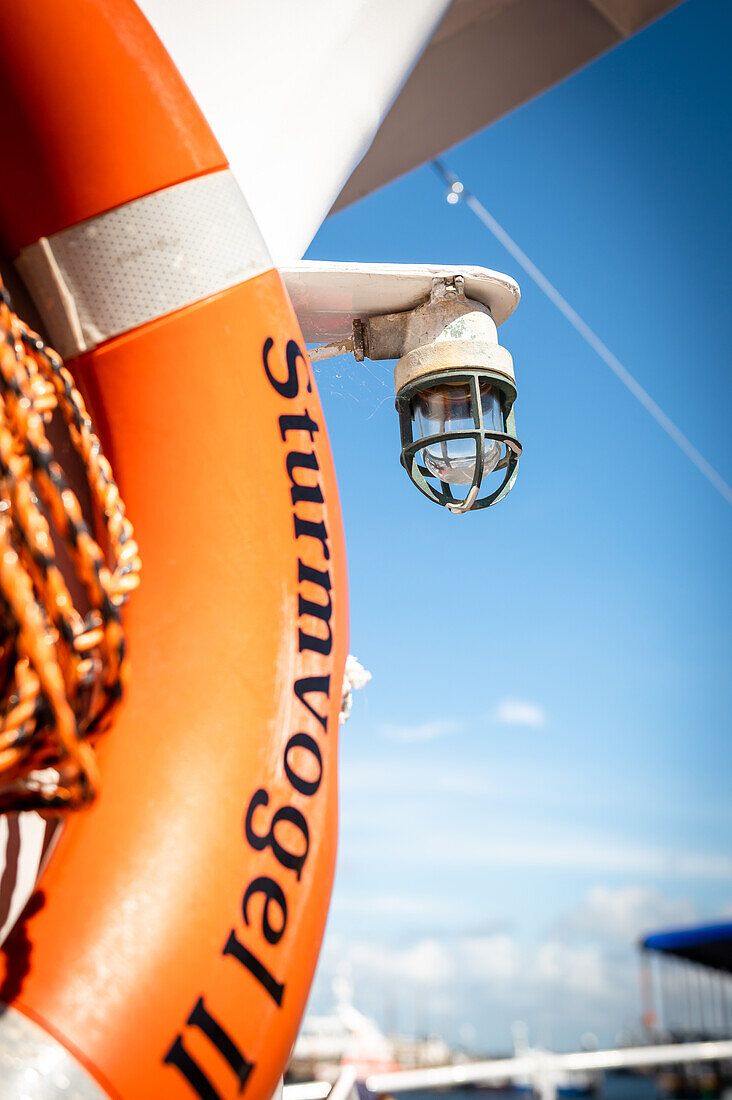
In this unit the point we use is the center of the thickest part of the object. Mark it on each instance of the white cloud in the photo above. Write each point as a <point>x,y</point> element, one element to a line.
<point>519,712</point>
<point>427,962</point>
<point>577,970</point>
<point>411,775</point>
<point>390,905</point>
<point>492,957</point>
<point>490,979</point>
<point>625,913</point>
<point>425,731</point>
<point>508,842</point>
<point>583,975</point>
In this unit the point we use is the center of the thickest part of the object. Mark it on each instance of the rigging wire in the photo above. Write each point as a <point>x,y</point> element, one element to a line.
<point>459,193</point>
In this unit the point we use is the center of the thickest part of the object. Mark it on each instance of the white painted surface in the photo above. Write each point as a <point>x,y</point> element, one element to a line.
<point>294,91</point>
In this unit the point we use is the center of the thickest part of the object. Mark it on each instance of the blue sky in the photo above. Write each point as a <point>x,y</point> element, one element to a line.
<point>540,766</point>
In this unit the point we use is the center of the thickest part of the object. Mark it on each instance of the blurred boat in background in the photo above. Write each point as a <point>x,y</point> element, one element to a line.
<point>346,1037</point>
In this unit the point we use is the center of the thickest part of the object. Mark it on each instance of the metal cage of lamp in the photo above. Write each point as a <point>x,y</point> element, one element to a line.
<point>411,447</point>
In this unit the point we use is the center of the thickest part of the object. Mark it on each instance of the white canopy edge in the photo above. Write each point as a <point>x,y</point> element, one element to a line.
<point>294,92</point>
<point>486,58</point>
<point>314,104</point>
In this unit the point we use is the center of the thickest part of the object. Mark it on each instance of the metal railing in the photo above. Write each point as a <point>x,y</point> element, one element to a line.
<point>542,1067</point>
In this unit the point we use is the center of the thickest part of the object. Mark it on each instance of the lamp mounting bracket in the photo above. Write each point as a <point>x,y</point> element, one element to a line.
<point>329,296</point>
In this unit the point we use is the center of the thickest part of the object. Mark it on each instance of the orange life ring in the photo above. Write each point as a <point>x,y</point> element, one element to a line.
<point>172,946</point>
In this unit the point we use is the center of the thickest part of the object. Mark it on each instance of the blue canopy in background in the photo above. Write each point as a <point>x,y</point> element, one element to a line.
<point>707,944</point>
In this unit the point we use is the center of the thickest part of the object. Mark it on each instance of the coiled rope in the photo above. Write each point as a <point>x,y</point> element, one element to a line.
<point>62,667</point>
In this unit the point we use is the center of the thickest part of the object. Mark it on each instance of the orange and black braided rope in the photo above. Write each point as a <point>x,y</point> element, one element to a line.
<point>62,667</point>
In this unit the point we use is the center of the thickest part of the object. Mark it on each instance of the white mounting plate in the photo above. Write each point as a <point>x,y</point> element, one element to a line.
<point>328,296</point>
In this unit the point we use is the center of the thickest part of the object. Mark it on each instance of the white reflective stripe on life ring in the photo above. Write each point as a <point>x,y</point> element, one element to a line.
<point>143,260</point>
<point>35,1065</point>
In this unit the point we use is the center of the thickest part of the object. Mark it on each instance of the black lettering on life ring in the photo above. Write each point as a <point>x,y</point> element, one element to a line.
<point>312,494</point>
<point>292,860</point>
<point>303,741</point>
<point>290,387</point>
<point>305,686</point>
<point>179,1057</point>
<point>273,895</point>
<point>256,968</point>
